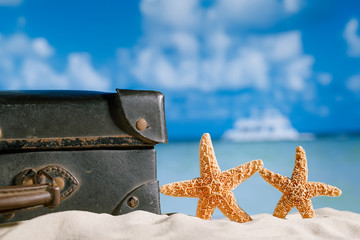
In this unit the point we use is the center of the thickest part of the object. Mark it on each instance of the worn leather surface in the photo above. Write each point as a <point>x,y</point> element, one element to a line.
<point>106,178</point>
<point>29,115</point>
<point>93,135</point>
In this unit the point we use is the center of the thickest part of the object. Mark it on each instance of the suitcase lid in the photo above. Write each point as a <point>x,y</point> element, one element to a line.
<point>32,120</point>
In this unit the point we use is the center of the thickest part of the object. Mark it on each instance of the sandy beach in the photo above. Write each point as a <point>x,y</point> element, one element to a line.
<point>328,224</point>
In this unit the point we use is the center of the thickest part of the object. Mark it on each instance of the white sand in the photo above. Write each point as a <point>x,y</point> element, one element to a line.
<point>328,224</point>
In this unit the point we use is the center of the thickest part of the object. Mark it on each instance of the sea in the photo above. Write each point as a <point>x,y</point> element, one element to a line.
<point>331,160</point>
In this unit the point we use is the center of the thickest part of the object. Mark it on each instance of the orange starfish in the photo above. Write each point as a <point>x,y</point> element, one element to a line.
<point>297,191</point>
<point>214,187</point>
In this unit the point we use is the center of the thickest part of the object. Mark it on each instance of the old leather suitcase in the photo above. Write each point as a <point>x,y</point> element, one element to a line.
<point>79,150</point>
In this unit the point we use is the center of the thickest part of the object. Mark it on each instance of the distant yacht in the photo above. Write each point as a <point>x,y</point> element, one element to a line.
<point>270,126</point>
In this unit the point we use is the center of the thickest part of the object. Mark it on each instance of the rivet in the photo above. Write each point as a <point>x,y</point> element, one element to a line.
<point>141,124</point>
<point>133,202</point>
<point>28,181</point>
<point>60,182</point>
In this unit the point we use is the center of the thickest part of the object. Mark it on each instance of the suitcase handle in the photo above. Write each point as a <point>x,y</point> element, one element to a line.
<point>18,197</point>
<point>46,187</point>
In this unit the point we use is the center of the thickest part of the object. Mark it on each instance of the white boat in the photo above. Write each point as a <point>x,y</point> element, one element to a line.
<point>269,126</point>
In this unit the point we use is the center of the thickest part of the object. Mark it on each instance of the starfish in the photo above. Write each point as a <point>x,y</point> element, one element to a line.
<point>214,187</point>
<point>297,191</point>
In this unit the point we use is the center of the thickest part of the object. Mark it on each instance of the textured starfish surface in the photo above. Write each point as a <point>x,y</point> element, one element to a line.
<point>213,187</point>
<point>297,191</point>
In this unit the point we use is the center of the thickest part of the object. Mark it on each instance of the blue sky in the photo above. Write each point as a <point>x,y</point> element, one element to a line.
<point>215,61</point>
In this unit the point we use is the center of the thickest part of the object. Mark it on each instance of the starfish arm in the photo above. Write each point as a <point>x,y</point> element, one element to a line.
<point>283,207</point>
<point>228,206</point>
<point>300,172</point>
<point>190,188</point>
<point>209,168</point>
<point>305,208</point>
<point>321,189</point>
<point>278,181</point>
<point>206,207</point>
<point>233,177</point>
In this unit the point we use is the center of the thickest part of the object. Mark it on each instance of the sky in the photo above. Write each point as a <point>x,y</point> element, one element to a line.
<point>215,61</point>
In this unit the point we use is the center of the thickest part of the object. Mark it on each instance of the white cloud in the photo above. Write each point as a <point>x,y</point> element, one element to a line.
<point>353,83</point>
<point>184,42</point>
<point>24,64</point>
<point>292,6</point>
<point>82,75</point>
<point>190,15</point>
<point>37,74</point>
<point>248,69</point>
<point>189,46</point>
<point>352,38</point>
<point>42,47</point>
<point>220,62</point>
<point>250,13</point>
<point>280,47</point>
<point>324,78</point>
<point>219,43</point>
<point>297,71</point>
<point>19,45</point>
<point>178,14</point>
<point>15,45</point>
<point>12,3</point>
<point>164,71</point>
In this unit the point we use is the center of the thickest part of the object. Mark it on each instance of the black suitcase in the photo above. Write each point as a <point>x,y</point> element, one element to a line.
<point>79,150</point>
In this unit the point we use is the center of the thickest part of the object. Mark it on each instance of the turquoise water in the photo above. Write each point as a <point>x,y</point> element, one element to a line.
<point>333,161</point>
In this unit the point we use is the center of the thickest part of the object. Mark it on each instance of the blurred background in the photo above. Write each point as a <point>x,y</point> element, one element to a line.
<point>261,76</point>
